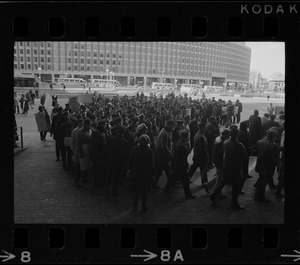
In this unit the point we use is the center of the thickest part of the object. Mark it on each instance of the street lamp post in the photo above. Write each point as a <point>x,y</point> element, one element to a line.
<point>201,83</point>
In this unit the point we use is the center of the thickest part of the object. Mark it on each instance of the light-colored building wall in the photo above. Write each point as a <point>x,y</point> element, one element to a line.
<point>181,62</point>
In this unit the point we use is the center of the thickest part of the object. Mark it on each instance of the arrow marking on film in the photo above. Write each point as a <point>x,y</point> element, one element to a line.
<point>148,256</point>
<point>7,257</point>
<point>292,256</point>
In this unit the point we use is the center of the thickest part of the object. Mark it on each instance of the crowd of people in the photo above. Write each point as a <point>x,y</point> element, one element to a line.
<point>25,101</point>
<point>132,140</point>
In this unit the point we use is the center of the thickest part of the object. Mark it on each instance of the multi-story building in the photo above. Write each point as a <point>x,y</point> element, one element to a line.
<point>208,63</point>
<point>277,82</point>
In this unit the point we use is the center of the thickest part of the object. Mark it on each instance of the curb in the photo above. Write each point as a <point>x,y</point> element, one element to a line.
<point>20,150</point>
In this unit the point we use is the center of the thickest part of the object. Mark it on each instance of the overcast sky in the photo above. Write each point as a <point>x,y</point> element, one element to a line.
<point>267,57</point>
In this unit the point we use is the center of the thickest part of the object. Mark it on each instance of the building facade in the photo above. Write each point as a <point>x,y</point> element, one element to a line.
<point>131,63</point>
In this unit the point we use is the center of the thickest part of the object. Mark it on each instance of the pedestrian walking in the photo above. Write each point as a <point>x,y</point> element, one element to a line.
<point>180,164</point>
<point>164,156</point>
<point>244,138</point>
<point>141,168</point>
<point>201,156</point>
<point>267,160</point>
<point>233,162</point>
<point>41,122</point>
<point>254,128</point>
<point>26,106</point>
<point>22,98</point>
<point>218,158</point>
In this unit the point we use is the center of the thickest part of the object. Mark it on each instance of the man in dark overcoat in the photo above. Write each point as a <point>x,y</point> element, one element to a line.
<point>141,167</point>
<point>164,156</point>
<point>233,162</point>
<point>267,160</point>
<point>254,128</point>
<point>201,156</point>
<point>118,152</point>
<point>180,164</point>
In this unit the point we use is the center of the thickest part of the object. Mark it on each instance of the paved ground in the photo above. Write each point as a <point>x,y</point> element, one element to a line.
<point>44,193</point>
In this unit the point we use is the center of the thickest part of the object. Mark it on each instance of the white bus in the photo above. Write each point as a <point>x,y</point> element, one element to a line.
<point>105,83</point>
<point>61,81</point>
<point>163,86</point>
<point>190,89</point>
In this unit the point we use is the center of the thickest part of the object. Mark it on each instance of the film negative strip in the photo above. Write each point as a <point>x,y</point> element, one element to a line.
<point>175,54</point>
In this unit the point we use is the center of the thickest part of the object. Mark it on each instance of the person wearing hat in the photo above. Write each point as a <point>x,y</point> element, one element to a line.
<point>141,168</point>
<point>67,108</point>
<point>267,160</point>
<point>239,109</point>
<point>269,124</point>
<point>117,120</point>
<point>98,149</point>
<point>180,163</point>
<point>201,157</point>
<point>233,162</point>
<point>218,157</point>
<point>118,152</point>
<point>254,128</point>
<point>41,123</point>
<point>164,156</point>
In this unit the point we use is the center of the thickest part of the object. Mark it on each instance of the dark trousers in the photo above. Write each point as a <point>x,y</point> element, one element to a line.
<point>139,192</point>
<point>231,177</point>
<point>43,135</point>
<point>186,184</point>
<point>203,171</point>
<point>167,169</point>
<point>66,154</point>
<point>58,148</point>
<point>17,109</point>
<point>261,183</point>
